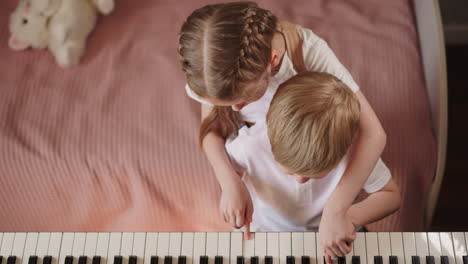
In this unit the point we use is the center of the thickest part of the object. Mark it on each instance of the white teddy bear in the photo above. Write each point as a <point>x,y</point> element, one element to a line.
<point>60,25</point>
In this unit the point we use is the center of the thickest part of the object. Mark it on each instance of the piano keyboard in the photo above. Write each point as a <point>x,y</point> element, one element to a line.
<point>227,248</point>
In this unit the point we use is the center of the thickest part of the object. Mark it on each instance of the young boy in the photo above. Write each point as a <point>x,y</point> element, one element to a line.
<point>292,161</point>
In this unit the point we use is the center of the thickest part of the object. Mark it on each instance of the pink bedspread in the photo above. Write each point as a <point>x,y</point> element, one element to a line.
<point>112,144</point>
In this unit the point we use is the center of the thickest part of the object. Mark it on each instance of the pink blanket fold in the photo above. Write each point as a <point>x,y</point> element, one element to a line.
<point>111,145</point>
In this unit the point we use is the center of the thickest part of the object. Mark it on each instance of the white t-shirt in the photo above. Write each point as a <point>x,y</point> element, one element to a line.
<point>280,202</point>
<point>317,57</point>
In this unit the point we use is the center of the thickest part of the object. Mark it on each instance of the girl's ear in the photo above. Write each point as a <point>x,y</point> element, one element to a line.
<point>275,58</point>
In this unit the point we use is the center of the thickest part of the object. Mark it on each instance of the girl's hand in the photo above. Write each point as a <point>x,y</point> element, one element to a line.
<point>336,235</point>
<point>236,207</point>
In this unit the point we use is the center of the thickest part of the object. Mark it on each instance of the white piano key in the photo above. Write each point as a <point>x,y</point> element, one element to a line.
<point>30,246</point>
<point>385,248</point>
<point>102,246</point>
<point>163,245</point>
<point>409,246</point>
<point>224,246</point>
<point>422,247</point>
<point>297,246</point>
<point>358,248</point>
<point>261,246</point>
<point>284,246</point>
<point>466,240</point>
<point>7,244</point>
<point>1,240</point>
<point>42,246</point>
<point>66,246</point>
<point>78,244</point>
<point>199,243</point>
<point>151,246</point>
<point>115,241</point>
<point>310,247</point>
<point>396,241</point>
<point>236,246</point>
<point>372,247</point>
<point>18,246</point>
<point>459,246</point>
<point>138,250</point>
<point>55,244</point>
<point>446,246</point>
<point>320,252</point>
<point>174,246</point>
<point>434,246</point>
<point>248,249</point>
<point>187,247</point>
<point>211,246</point>
<point>273,246</point>
<point>90,246</point>
<point>126,247</point>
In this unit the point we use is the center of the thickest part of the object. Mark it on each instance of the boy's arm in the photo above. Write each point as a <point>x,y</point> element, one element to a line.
<point>376,206</point>
<point>236,205</point>
<point>335,227</point>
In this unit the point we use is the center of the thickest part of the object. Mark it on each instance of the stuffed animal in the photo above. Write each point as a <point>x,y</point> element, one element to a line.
<point>62,26</point>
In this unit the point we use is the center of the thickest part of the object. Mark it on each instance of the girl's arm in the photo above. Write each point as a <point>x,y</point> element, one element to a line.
<point>335,227</point>
<point>236,206</point>
<point>376,206</point>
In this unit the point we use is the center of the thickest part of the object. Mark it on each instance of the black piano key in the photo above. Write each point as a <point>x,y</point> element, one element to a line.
<point>305,260</point>
<point>268,260</point>
<point>82,260</point>
<point>1,259</point>
<point>378,260</point>
<point>393,260</point>
<point>168,260</point>
<point>240,260</point>
<point>11,260</point>
<point>254,260</point>
<point>415,260</point>
<point>203,259</point>
<point>430,260</point>
<point>342,260</point>
<point>69,260</point>
<point>118,260</point>
<point>47,260</point>
<point>465,260</point>
<point>183,260</point>
<point>444,260</point>
<point>290,260</point>
<point>154,260</point>
<point>218,259</point>
<point>132,259</point>
<point>96,260</point>
<point>355,260</point>
<point>32,260</point>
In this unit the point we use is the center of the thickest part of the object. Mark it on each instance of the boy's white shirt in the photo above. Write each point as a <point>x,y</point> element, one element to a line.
<point>317,57</point>
<point>281,203</point>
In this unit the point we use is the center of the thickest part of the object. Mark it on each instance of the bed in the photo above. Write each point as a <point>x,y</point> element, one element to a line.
<point>111,145</point>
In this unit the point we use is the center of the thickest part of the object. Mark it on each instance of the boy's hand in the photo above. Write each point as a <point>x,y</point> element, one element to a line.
<point>236,207</point>
<point>336,235</point>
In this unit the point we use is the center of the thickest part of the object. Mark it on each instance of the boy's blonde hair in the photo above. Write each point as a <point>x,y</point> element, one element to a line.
<point>312,121</point>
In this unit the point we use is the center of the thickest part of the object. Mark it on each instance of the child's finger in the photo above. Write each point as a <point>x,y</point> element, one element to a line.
<point>240,220</point>
<point>232,220</point>
<point>328,259</point>
<point>350,238</point>
<point>247,235</point>
<point>249,213</point>
<point>344,247</point>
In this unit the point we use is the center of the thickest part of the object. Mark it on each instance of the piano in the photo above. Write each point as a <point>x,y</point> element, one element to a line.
<point>227,248</point>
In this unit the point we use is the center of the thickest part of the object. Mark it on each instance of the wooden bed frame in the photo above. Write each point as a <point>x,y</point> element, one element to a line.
<point>431,39</point>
